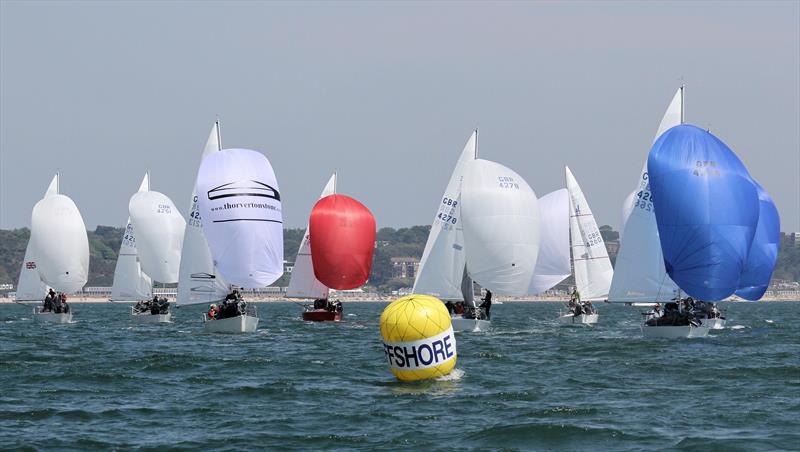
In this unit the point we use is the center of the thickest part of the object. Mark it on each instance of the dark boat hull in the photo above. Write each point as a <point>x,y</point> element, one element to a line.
<point>322,315</point>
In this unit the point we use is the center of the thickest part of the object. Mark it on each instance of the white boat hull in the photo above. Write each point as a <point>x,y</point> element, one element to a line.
<point>232,325</point>
<point>674,332</point>
<point>52,317</point>
<point>146,317</point>
<point>461,324</point>
<point>583,319</point>
<point>714,324</point>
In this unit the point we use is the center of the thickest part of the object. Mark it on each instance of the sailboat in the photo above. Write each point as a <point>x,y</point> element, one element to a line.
<point>590,262</point>
<point>198,279</point>
<point>707,214</point>
<point>239,202</point>
<point>339,256</point>
<point>159,235</point>
<point>59,250</point>
<point>486,230</point>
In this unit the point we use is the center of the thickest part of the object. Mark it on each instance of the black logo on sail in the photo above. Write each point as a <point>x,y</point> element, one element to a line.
<point>244,188</point>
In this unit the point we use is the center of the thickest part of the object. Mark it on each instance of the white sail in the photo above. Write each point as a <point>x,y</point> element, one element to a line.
<point>130,282</point>
<point>30,286</point>
<point>240,203</point>
<point>593,272</point>
<point>640,275</point>
<point>552,264</point>
<point>198,280</point>
<point>159,234</point>
<point>627,208</point>
<point>441,269</point>
<point>500,216</point>
<point>303,283</point>
<point>59,242</point>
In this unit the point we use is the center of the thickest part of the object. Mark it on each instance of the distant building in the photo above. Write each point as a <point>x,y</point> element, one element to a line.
<point>404,267</point>
<point>381,243</point>
<point>796,238</point>
<point>288,266</point>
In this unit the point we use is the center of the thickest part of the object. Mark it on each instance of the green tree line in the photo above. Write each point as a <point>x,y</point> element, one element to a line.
<point>390,242</point>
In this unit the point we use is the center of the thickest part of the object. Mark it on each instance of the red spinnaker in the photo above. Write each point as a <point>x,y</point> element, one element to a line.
<point>342,236</point>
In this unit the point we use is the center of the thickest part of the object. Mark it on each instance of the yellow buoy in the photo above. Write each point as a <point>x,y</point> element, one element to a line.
<point>418,338</point>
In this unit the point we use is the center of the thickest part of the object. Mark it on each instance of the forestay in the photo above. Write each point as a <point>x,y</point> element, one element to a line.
<point>639,273</point>
<point>763,254</point>
<point>441,269</point>
<point>198,280</point>
<point>500,215</point>
<point>707,211</point>
<point>303,283</point>
<point>553,264</point>
<point>159,234</point>
<point>593,272</point>
<point>240,203</point>
<point>59,242</point>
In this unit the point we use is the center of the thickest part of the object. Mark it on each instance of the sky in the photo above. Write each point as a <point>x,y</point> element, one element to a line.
<point>386,94</point>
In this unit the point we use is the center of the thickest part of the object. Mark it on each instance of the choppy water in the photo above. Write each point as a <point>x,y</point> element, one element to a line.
<point>103,382</point>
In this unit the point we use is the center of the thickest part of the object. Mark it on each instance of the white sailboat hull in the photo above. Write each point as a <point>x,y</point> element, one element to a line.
<point>146,317</point>
<point>51,317</point>
<point>231,325</point>
<point>583,319</point>
<point>674,332</point>
<point>460,324</point>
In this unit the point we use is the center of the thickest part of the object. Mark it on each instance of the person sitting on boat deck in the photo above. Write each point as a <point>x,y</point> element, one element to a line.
<point>337,306</point>
<point>320,303</point>
<point>213,311</point>
<point>657,310</point>
<point>588,307</point>
<point>48,303</point>
<point>575,296</point>
<point>63,306</point>
<point>487,304</point>
<point>451,308</point>
<point>459,308</point>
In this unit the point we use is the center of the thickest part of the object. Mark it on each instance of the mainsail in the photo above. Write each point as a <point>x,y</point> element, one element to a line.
<point>130,282</point>
<point>441,269</point>
<point>59,241</point>
<point>240,204</point>
<point>639,273</point>
<point>303,283</point>
<point>553,264</point>
<point>593,272</point>
<point>198,280</point>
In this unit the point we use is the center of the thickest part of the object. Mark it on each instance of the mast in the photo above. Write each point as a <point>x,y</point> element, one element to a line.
<point>476,143</point>
<point>335,179</point>
<point>219,136</point>
<point>147,176</point>
<point>682,102</point>
<point>58,182</point>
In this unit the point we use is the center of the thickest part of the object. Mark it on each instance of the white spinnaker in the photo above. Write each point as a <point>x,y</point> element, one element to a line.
<point>60,243</point>
<point>130,282</point>
<point>500,216</point>
<point>198,280</point>
<point>593,271</point>
<point>30,286</point>
<point>441,269</point>
<point>240,204</point>
<point>552,264</point>
<point>303,283</point>
<point>640,275</point>
<point>159,234</point>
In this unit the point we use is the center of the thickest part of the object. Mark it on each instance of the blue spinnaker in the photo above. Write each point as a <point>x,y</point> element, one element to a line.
<point>763,251</point>
<point>706,208</point>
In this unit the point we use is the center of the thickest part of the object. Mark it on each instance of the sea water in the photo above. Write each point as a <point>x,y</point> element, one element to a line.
<point>106,382</point>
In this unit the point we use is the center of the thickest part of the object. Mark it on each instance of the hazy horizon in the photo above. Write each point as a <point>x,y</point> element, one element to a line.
<point>386,94</point>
